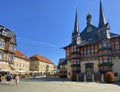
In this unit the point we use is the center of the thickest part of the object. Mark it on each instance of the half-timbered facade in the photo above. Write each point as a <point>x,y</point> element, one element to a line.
<point>7,49</point>
<point>94,50</point>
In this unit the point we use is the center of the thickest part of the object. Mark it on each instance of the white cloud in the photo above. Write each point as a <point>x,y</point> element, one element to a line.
<point>37,42</point>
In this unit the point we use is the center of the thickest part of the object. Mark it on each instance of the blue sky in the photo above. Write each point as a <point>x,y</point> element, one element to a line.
<point>44,26</point>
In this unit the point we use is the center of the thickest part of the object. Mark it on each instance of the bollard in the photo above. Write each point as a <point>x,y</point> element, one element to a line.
<point>102,78</point>
<point>84,77</point>
<point>93,78</point>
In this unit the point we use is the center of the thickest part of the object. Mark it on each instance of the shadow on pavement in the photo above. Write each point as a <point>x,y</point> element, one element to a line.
<point>44,79</point>
<point>117,83</point>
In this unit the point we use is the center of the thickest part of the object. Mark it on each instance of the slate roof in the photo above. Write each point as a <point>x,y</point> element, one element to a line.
<point>90,37</point>
<point>62,61</point>
<point>10,34</point>
<point>96,35</point>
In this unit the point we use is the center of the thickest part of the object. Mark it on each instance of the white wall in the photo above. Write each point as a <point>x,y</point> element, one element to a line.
<point>69,69</point>
<point>116,67</point>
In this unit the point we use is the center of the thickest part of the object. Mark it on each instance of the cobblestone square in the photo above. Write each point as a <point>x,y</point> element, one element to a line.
<point>57,85</point>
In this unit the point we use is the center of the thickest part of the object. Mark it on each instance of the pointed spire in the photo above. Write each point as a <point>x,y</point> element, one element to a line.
<point>102,20</point>
<point>76,25</point>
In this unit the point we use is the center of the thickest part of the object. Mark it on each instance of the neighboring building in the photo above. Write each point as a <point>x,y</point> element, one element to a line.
<point>62,66</point>
<point>41,65</point>
<point>11,60</point>
<point>14,61</point>
<point>21,63</point>
<point>7,49</point>
<point>93,51</point>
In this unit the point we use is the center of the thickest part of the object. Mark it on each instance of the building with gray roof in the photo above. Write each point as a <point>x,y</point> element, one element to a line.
<point>95,50</point>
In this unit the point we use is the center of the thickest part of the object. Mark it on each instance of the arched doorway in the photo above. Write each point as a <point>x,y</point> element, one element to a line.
<point>88,71</point>
<point>74,76</point>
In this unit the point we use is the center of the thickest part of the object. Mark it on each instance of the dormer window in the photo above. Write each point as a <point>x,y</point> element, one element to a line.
<point>4,32</point>
<point>89,39</point>
<point>89,29</point>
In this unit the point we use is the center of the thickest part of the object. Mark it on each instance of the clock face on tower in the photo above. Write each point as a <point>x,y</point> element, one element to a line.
<point>89,29</point>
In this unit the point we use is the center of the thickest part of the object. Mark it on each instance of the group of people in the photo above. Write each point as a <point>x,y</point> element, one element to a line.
<point>11,78</point>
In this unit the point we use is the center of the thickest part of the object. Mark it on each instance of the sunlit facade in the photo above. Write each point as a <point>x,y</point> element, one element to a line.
<point>40,65</point>
<point>7,49</point>
<point>95,50</point>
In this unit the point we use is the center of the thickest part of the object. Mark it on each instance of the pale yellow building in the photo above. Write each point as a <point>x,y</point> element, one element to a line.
<point>41,65</point>
<point>21,63</point>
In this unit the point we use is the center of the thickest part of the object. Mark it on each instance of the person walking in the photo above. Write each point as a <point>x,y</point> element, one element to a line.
<point>17,80</point>
<point>14,79</point>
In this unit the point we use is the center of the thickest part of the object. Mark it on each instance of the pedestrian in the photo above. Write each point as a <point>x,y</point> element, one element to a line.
<point>14,79</point>
<point>8,78</point>
<point>17,80</point>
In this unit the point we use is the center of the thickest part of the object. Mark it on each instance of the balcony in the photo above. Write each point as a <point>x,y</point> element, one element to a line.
<point>75,65</point>
<point>106,64</point>
<point>105,48</point>
<point>102,55</point>
<point>75,52</point>
<point>63,69</point>
<point>116,52</point>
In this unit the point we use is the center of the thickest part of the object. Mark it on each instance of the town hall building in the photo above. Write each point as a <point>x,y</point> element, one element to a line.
<point>95,50</point>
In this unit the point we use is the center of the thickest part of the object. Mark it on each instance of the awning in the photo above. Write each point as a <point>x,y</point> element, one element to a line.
<point>20,71</point>
<point>4,67</point>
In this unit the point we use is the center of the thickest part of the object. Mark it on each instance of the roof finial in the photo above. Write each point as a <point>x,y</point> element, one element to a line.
<point>88,18</point>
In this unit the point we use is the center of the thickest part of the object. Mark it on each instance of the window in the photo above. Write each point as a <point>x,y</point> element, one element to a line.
<point>89,29</point>
<point>11,57</point>
<point>92,50</point>
<point>74,50</point>
<point>74,62</point>
<point>100,61</point>
<point>110,60</point>
<point>78,50</point>
<point>78,62</point>
<point>104,44</point>
<point>89,39</point>
<point>11,47</point>
<point>78,40</point>
<point>4,32</point>
<point>2,44</point>
<point>108,44</point>
<point>1,55</point>
<point>84,51</point>
<point>88,51</point>
<point>105,60</point>
<point>100,46</point>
